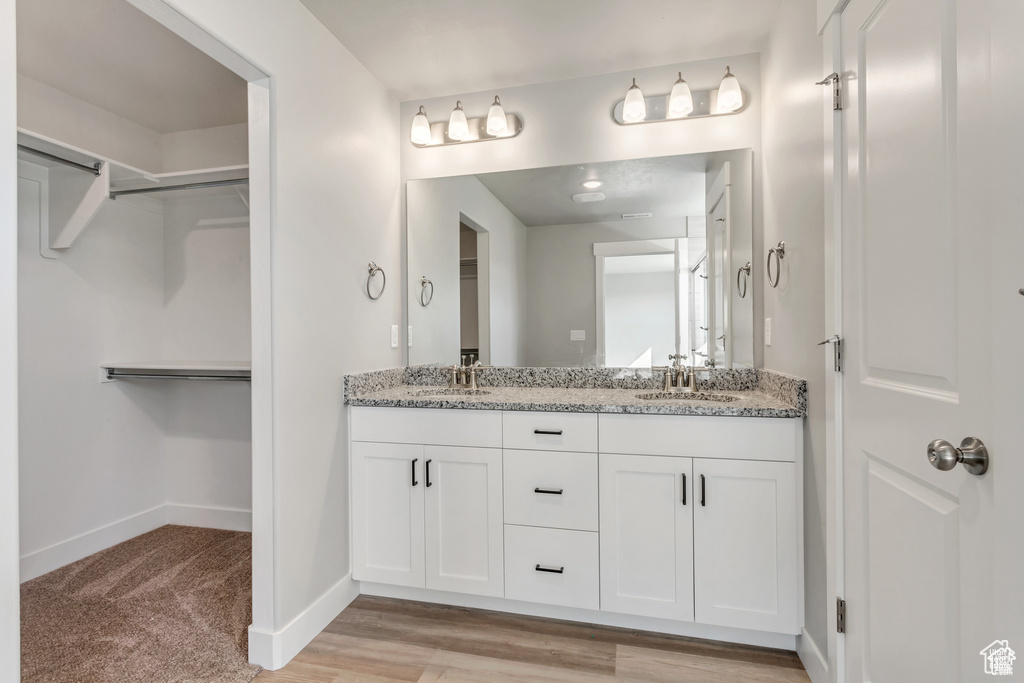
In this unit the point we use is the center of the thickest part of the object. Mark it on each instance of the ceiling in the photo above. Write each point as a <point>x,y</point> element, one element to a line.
<point>669,187</point>
<point>113,56</point>
<point>430,48</point>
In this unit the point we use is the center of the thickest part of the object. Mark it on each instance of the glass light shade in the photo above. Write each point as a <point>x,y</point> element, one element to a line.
<point>496,123</point>
<point>458,127</point>
<point>680,102</point>
<point>420,128</point>
<point>634,108</point>
<point>730,97</point>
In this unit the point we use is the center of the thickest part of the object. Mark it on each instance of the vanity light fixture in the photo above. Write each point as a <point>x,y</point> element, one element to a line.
<point>634,108</point>
<point>730,97</point>
<point>420,128</point>
<point>497,124</point>
<point>680,101</point>
<point>592,184</point>
<point>458,127</point>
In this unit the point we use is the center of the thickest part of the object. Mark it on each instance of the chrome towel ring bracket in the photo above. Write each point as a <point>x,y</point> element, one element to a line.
<point>742,275</point>
<point>373,270</point>
<point>779,252</point>
<point>426,291</point>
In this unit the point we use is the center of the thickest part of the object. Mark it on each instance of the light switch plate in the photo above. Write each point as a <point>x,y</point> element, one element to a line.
<point>577,335</point>
<point>767,331</point>
<point>394,336</point>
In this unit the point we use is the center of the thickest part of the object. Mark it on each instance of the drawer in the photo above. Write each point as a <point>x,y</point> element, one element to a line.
<point>550,431</point>
<point>570,556</point>
<point>738,438</point>
<point>551,489</point>
<point>429,426</point>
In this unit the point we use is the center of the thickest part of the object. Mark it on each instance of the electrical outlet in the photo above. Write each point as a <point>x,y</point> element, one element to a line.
<point>767,331</point>
<point>577,335</point>
<point>410,336</point>
<point>394,336</point>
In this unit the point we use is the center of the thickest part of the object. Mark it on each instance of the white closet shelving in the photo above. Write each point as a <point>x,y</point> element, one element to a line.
<point>239,371</point>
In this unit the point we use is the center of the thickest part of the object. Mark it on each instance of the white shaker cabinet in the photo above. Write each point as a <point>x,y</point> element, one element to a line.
<point>744,544</point>
<point>647,536</point>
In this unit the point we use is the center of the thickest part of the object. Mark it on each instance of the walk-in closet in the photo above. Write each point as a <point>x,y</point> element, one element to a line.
<point>134,348</point>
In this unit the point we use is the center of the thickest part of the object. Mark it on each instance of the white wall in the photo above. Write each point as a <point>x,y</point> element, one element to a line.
<point>334,171</point>
<point>794,211</point>
<point>640,315</point>
<point>10,623</point>
<point>438,207</point>
<point>561,292</point>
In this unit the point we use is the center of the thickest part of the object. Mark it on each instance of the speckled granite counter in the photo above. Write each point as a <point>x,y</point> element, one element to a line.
<point>749,393</point>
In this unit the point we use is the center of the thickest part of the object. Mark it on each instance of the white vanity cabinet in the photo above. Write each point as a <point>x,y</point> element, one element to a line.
<point>427,515</point>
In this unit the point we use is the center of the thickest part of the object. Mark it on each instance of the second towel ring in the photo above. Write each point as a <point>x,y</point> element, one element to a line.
<point>780,253</point>
<point>424,283</point>
<point>740,280</point>
<point>373,269</point>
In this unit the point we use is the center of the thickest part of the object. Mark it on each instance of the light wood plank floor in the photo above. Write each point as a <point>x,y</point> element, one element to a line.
<point>381,640</point>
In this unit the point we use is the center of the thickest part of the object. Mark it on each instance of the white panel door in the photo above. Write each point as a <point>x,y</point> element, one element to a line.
<point>745,545</point>
<point>464,530</point>
<point>647,535</point>
<point>917,313</point>
<point>387,513</point>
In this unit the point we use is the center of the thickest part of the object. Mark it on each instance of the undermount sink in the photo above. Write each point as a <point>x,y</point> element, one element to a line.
<point>683,396</point>
<point>443,391</point>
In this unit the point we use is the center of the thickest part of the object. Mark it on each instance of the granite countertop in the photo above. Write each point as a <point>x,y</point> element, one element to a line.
<point>574,400</point>
<point>749,393</point>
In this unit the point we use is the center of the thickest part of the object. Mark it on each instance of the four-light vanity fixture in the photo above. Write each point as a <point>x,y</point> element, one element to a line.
<point>680,103</point>
<point>459,129</point>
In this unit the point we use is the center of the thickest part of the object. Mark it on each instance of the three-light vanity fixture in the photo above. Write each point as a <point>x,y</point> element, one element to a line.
<point>681,103</point>
<point>459,129</point>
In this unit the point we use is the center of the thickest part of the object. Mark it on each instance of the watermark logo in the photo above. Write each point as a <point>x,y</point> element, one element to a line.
<point>999,658</point>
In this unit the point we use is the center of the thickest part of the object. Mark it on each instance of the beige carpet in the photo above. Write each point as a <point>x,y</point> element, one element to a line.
<point>170,605</point>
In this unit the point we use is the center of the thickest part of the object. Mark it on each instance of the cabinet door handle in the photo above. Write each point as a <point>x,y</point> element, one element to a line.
<point>684,488</point>
<point>414,461</point>
<point>703,491</point>
<point>560,570</point>
<point>426,470</point>
<point>551,432</point>
<point>554,492</point>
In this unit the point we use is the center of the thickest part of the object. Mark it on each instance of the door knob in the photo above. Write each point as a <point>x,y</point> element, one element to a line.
<point>972,453</point>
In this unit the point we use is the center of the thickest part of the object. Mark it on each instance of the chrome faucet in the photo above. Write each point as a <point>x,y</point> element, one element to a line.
<point>463,375</point>
<point>678,376</point>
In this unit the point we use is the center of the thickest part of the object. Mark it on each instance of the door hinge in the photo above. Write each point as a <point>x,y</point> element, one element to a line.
<point>837,89</point>
<point>840,615</point>
<point>837,351</point>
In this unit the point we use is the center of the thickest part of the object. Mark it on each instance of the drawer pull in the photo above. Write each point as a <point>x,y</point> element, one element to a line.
<point>560,570</point>
<point>553,492</point>
<point>549,432</point>
<point>414,461</point>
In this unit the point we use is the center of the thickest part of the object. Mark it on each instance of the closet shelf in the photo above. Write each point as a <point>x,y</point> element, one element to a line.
<point>226,371</point>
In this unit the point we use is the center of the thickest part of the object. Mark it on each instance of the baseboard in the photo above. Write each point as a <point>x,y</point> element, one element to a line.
<point>812,659</point>
<point>780,641</point>
<point>73,549</point>
<point>230,519</point>
<point>274,650</point>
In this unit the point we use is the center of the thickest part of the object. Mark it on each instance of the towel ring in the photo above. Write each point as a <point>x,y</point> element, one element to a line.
<point>424,283</point>
<point>780,253</point>
<point>373,269</point>
<point>741,282</point>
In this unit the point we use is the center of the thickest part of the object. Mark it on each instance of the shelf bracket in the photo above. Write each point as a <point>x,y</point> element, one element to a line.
<point>75,199</point>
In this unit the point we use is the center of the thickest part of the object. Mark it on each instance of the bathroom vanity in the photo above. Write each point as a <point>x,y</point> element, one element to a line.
<point>584,495</point>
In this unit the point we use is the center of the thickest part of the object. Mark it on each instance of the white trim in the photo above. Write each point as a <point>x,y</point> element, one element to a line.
<point>272,650</point>
<point>65,552</point>
<point>812,659</point>
<point>780,641</point>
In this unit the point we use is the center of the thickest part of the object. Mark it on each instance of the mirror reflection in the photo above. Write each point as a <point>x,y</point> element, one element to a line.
<point>618,264</point>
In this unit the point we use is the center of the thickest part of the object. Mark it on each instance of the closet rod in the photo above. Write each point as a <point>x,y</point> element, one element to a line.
<point>114,194</point>
<point>95,170</point>
<point>136,375</point>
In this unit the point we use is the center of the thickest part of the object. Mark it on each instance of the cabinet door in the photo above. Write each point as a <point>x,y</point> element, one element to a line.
<point>464,526</point>
<point>387,513</point>
<point>745,552</point>
<point>647,536</point>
